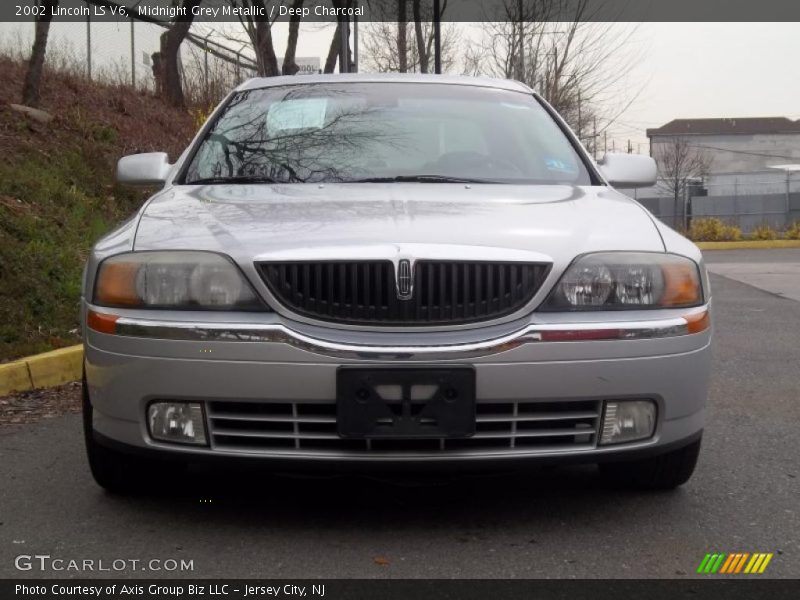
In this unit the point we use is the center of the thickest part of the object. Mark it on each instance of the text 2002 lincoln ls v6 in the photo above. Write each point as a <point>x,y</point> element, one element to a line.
<point>402,271</point>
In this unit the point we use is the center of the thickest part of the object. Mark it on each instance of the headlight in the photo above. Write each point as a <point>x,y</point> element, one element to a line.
<point>627,280</point>
<point>183,280</point>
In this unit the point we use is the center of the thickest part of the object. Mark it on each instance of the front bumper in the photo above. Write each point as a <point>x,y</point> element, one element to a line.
<point>527,387</point>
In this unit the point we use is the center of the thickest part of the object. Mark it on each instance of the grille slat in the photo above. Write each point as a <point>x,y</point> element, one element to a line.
<point>526,434</point>
<point>442,291</point>
<point>501,292</point>
<point>454,292</point>
<point>277,435</point>
<point>541,417</point>
<point>343,305</point>
<point>276,427</point>
<point>365,292</point>
<point>366,270</point>
<point>273,419</point>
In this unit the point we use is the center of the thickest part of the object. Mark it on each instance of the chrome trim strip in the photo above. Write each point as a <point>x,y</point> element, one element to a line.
<point>280,334</point>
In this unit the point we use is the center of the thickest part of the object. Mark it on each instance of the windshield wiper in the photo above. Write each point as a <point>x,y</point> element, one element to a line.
<point>238,179</point>
<point>421,179</point>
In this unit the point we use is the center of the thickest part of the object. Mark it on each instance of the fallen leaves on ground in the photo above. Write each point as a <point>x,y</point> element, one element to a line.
<point>32,406</point>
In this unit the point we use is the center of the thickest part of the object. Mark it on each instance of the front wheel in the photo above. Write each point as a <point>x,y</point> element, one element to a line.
<point>118,472</point>
<point>663,472</point>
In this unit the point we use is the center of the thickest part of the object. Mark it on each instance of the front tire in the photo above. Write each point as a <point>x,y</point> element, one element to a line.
<point>663,472</point>
<point>117,472</point>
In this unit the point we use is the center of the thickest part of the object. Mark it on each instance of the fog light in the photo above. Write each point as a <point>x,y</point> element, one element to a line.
<point>627,421</point>
<point>180,422</point>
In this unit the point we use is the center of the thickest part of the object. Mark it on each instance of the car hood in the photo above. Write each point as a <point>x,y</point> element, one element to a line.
<point>251,222</point>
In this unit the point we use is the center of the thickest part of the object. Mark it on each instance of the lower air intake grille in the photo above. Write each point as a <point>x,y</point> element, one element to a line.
<point>285,428</point>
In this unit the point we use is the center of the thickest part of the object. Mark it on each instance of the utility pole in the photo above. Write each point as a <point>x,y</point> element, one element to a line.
<point>89,46</point>
<point>580,124</point>
<point>344,46</point>
<point>133,54</point>
<point>594,137</point>
<point>355,44</point>
<point>521,44</point>
<point>205,66</point>
<point>788,195</point>
<point>437,37</point>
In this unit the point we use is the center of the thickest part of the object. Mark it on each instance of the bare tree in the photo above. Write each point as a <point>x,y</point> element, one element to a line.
<point>33,77</point>
<point>259,30</point>
<point>336,41</point>
<point>385,43</point>
<point>578,65</point>
<point>679,163</point>
<point>421,46</point>
<point>290,66</point>
<point>402,36</point>
<point>166,62</point>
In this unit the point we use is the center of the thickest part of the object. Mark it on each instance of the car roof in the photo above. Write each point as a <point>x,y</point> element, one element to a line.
<point>505,84</point>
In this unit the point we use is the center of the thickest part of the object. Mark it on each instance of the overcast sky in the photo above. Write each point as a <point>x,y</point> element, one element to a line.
<point>683,69</point>
<point>715,70</point>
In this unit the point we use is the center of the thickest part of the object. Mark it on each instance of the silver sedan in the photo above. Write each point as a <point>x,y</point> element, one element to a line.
<point>393,271</point>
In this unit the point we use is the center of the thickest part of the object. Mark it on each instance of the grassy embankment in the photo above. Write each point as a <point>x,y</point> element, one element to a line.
<point>57,195</point>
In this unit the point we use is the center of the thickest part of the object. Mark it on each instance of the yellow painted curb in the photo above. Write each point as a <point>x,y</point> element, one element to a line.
<point>43,370</point>
<point>14,376</point>
<point>749,245</point>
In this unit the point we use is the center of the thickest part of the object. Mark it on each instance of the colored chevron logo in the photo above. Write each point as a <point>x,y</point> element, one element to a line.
<point>736,563</point>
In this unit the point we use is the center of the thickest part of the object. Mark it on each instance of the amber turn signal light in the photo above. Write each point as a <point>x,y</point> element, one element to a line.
<point>697,322</point>
<point>681,285</point>
<point>102,323</point>
<point>116,284</point>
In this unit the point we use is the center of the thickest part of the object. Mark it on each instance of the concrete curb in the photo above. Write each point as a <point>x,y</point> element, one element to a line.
<point>43,370</point>
<point>749,245</point>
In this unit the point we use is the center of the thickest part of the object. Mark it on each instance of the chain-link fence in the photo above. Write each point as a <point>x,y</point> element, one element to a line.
<point>747,200</point>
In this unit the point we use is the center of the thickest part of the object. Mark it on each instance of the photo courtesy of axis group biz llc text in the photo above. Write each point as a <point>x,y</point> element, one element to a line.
<point>357,299</point>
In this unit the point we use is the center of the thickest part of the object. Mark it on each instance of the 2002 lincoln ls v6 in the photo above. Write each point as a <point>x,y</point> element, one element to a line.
<point>396,271</point>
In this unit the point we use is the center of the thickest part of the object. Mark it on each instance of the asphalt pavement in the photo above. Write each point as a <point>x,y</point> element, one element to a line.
<point>744,496</point>
<point>774,270</point>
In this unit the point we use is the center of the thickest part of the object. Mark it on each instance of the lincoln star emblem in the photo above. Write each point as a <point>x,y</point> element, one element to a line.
<point>405,287</point>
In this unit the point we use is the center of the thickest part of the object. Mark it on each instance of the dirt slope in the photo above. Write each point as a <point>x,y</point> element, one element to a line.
<point>57,195</point>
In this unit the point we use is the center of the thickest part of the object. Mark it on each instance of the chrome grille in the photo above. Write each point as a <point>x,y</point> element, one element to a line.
<point>287,427</point>
<point>436,292</point>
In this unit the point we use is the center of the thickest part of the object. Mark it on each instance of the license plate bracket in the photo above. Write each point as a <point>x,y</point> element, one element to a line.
<point>409,403</point>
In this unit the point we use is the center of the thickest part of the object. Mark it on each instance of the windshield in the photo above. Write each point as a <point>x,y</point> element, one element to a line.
<point>361,132</point>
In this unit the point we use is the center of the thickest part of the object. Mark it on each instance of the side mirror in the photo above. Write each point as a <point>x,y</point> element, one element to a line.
<point>628,170</point>
<point>144,169</point>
